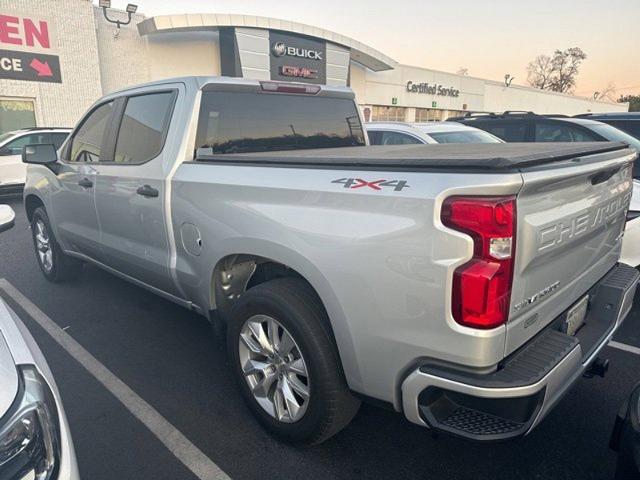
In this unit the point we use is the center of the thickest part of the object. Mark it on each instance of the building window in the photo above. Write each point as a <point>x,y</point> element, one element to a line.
<point>16,114</point>
<point>388,114</point>
<point>436,114</point>
<point>429,115</point>
<point>456,113</point>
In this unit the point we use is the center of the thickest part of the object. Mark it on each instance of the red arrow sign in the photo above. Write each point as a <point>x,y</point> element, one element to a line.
<point>43,69</point>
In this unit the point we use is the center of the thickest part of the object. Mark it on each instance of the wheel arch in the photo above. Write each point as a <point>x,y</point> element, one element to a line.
<point>31,202</point>
<point>235,273</point>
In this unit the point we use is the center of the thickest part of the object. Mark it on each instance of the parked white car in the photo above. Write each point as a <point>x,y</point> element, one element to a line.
<point>12,171</point>
<point>631,242</point>
<point>401,133</point>
<point>34,435</point>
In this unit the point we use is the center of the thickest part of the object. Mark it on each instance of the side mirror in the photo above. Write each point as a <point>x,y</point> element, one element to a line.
<point>39,154</point>
<point>7,217</point>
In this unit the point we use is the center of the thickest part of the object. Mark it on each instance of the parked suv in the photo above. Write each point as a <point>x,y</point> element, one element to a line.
<point>12,171</point>
<point>628,122</point>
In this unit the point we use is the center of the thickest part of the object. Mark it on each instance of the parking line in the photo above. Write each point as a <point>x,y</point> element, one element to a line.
<point>185,451</point>
<point>625,347</point>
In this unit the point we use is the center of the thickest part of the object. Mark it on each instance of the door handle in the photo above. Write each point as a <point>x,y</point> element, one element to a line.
<point>85,183</point>
<point>147,191</point>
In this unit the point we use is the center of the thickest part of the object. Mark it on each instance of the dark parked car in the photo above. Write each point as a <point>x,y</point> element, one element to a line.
<point>626,437</point>
<point>529,127</point>
<point>626,121</point>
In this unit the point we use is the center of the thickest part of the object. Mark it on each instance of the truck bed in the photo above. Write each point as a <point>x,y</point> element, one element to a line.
<point>476,157</point>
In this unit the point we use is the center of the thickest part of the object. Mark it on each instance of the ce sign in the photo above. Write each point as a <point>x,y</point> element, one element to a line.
<point>34,67</point>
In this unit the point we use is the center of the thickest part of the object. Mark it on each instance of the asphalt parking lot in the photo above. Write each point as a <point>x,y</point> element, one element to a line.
<point>170,359</point>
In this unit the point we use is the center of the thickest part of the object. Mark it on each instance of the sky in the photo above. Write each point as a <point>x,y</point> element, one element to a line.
<point>490,38</point>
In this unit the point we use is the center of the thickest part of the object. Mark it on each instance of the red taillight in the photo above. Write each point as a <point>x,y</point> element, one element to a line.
<point>482,286</point>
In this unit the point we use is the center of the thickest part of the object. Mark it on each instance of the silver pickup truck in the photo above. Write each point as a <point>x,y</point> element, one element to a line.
<point>465,286</point>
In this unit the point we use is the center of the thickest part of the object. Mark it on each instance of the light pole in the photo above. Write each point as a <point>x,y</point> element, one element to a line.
<point>131,9</point>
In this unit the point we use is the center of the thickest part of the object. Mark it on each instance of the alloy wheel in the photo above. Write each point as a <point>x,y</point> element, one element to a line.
<point>43,246</point>
<point>274,368</point>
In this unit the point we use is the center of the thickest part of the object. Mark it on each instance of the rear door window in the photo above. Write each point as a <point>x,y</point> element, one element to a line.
<point>398,138</point>
<point>144,127</point>
<point>243,122</point>
<point>509,131</point>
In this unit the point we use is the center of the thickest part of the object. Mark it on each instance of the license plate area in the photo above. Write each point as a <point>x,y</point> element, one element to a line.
<point>576,316</point>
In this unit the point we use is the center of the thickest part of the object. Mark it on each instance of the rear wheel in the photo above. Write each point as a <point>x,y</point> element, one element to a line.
<point>55,265</point>
<point>286,363</point>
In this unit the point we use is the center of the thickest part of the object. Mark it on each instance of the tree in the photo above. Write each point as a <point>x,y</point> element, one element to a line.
<point>539,72</point>
<point>634,102</point>
<point>558,72</point>
<point>607,93</point>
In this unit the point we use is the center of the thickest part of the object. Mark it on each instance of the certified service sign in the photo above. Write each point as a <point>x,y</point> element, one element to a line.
<point>25,46</point>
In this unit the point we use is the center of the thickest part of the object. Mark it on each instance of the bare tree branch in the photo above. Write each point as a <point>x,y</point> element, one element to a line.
<point>539,72</point>
<point>558,72</point>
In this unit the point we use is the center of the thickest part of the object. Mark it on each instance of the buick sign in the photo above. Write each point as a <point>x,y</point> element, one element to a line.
<point>280,49</point>
<point>297,57</point>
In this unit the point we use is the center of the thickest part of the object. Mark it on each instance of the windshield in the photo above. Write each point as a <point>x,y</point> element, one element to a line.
<point>464,136</point>
<point>6,136</point>
<point>614,135</point>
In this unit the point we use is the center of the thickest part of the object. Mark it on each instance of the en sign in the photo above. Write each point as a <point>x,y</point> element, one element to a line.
<point>29,56</point>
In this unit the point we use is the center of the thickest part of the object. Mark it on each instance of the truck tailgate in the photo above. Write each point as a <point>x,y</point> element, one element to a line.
<point>570,223</point>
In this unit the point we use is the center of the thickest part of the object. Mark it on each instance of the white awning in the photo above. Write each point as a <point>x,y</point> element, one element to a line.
<point>360,53</point>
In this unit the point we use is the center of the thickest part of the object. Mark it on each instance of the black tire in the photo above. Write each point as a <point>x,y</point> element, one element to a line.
<point>331,406</point>
<point>63,267</point>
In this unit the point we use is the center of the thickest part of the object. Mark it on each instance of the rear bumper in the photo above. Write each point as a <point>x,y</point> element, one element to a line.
<point>511,401</point>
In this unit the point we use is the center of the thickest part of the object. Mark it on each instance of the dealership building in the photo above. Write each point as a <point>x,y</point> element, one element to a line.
<point>58,57</point>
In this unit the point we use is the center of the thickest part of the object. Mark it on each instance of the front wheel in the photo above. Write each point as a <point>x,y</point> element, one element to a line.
<point>286,363</point>
<point>55,265</point>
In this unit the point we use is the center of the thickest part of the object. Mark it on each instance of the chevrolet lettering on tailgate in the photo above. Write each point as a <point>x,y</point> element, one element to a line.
<point>583,223</point>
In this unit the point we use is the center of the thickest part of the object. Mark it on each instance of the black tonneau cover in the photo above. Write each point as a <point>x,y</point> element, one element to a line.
<point>466,156</point>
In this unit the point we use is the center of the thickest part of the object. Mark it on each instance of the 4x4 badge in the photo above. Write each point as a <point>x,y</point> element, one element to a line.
<point>352,183</point>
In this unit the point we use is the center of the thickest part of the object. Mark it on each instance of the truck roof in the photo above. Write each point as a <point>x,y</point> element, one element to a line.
<point>202,81</point>
<point>476,157</point>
